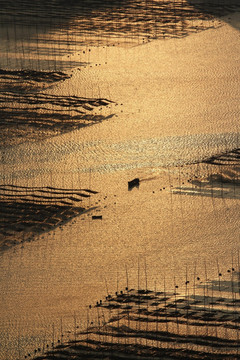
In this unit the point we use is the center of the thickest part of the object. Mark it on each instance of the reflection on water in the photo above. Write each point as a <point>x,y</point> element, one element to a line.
<point>203,322</point>
<point>107,156</point>
<point>63,272</point>
<point>172,108</point>
<point>50,30</point>
<point>54,278</point>
<point>33,112</point>
<point>221,180</point>
<point>27,211</point>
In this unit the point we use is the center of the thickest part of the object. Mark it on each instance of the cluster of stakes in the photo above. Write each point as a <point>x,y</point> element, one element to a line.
<point>201,321</point>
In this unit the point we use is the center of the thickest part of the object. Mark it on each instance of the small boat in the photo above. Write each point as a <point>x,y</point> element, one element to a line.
<point>97,217</point>
<point>133,183</point>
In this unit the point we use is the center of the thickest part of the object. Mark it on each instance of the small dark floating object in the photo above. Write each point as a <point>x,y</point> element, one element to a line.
<point>133,183</point>
<point>97,217</point>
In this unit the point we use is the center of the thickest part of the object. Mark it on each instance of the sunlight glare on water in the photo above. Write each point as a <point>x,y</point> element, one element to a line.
<point>174,103</point>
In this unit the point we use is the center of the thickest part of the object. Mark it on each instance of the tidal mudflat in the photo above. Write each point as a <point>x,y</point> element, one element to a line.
<point>154,324</point>
<point>92,96</point>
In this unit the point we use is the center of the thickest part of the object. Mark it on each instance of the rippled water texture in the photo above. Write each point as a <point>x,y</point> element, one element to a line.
<point>94,94</point>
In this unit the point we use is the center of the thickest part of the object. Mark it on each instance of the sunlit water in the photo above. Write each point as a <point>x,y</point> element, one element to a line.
<point>44,35</point>
<point>180,105</point>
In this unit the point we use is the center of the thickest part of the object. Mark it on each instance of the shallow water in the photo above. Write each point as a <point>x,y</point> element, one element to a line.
<point>62,272</point>
<point>38,36</point>
<point>179,106</point>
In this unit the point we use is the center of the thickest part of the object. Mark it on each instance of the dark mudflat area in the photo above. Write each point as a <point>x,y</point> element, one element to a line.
<point>29,211</point>
<point>144,324</point>
<point>29,113</point>
<point>127,19</point>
